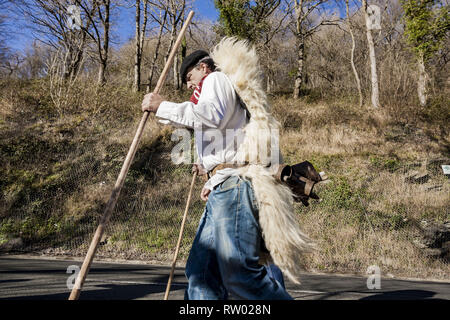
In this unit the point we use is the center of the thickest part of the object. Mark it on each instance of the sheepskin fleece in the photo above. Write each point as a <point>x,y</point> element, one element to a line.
<point>282,235</point>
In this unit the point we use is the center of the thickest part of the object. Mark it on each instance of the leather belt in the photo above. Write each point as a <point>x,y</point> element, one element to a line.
<point>220,167</point>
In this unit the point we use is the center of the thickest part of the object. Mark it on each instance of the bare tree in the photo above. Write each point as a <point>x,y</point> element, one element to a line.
<point>173,17</point>
<point>305,25</point>
<point>276,33</point>
<point>162,22</point>
<point>3,37</point>
<point>98,13</point>
<point>10,63</point>
<point>175,11</point>
<point>373,61</point>
<point>3,24</point>
<point>35,60</point>
<point>201,33</point>
<point>139,41</point>
<point>352,55</point>
<point>61,90</point>
<point>49,22</point>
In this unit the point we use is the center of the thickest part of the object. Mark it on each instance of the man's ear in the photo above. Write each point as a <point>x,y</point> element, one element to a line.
<point>204,67</point>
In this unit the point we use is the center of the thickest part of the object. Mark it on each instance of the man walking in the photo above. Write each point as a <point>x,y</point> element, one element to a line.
<point>225,253</point>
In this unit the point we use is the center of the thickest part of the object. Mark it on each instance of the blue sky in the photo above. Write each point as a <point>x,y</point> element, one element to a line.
<point>124,29</point>
<point>126,25</point>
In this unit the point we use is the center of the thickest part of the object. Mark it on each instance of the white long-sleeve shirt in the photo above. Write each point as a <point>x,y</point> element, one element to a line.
<point>217,114</point>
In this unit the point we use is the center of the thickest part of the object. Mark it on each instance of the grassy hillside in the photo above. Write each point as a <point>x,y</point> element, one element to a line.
<point>372,212</point>
<point>58,165</point>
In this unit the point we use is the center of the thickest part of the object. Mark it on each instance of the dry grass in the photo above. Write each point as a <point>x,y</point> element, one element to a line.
<point>368,214</point>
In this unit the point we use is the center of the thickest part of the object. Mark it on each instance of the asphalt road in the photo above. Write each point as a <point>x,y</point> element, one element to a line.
<point>35,278</point>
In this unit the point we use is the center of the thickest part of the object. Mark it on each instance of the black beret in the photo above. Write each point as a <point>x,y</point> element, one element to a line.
<point>190,61</point>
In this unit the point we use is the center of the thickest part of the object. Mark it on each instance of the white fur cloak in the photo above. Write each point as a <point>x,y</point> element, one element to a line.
<point>280,230</point>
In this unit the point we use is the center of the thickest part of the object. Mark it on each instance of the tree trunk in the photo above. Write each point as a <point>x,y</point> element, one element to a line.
<point>300,49</point>
<point>176,63</point>
<point>373,61</point>
<point>169,48</point>
<point>101,73</point>
<point>105,48</point>
<point>143,30</point>
<point>155,56</point>
<point>171,41</point>
<point>137,58</point>
<point>77,61</point>
<point>300,68</point>
<point>352,55</point>
<point>183,51</point>
<point>176,83</point>
<point>76,65</point>
<point>373,68</point>
<point>139,43</point>
<point>422,82</point>
<point>72,63</point>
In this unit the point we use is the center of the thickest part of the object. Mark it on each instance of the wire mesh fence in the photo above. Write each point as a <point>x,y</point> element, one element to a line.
<point>58,213</point>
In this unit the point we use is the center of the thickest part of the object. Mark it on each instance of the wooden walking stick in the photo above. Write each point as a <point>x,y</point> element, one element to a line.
<point>180,236</point>
<point>123,172</point>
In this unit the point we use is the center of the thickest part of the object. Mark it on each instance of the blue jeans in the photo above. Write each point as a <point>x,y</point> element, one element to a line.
<point>224,255</point>
<point>275,273</point>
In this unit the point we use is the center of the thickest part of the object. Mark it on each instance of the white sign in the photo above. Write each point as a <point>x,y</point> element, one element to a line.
<point>374,280</point>
<point>74,20</point>
<point>446,168</point>
<point>72,279</point>
<point>374,17</point>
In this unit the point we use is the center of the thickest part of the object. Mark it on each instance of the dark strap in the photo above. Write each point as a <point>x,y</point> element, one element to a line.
<point>309,185</point>
<point>244,106</point>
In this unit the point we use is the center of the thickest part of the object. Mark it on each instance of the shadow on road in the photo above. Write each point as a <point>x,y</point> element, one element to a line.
<point>403,295</point>
<point>107,292</point>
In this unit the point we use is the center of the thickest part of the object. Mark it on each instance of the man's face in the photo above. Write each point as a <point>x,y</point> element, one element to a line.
<point>195,75</point>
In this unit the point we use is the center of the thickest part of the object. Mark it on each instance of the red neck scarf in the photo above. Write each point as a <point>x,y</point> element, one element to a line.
<point>197,91</point>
